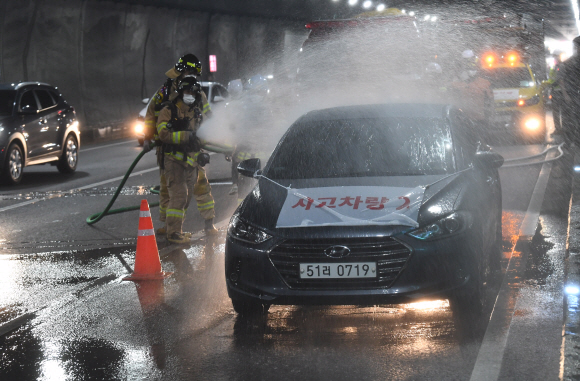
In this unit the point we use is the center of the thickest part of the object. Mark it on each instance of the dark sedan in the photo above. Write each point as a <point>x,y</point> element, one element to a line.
<point>37,126</point>
<point>371,204</point>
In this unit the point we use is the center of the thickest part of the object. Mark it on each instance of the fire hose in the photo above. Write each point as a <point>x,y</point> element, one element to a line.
<point>94,218</point>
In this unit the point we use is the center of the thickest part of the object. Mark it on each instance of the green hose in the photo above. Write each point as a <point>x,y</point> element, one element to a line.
<point>98,216</point>
<point>93,218</point>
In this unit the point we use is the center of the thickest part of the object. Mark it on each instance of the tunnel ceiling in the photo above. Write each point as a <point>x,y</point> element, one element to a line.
<point>558,14</point>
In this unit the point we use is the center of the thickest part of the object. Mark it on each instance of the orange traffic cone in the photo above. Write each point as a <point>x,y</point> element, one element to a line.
<point>147,262</point>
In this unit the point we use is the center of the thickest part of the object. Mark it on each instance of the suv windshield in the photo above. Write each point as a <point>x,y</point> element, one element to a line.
<point>364,147</point>
<point>6,102</point>
<point>501,78</point>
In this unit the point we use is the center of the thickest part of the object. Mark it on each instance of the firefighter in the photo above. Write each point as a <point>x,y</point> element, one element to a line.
<point>182,159</point>
<point>188,64</point>
<point>569,81</point>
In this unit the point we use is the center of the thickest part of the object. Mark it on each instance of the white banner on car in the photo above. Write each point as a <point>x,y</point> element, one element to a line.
<point>506,94</point>
<point>351,206</point>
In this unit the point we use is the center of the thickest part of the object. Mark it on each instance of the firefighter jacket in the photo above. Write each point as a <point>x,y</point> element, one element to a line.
<point>175,141</point>
<point>167,92</point>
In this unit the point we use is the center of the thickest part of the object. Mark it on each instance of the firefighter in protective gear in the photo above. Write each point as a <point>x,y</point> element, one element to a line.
<point>186,65</point>
<point>176,127</point>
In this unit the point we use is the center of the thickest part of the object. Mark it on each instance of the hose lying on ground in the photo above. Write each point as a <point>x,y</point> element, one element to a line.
<point>94,218</point>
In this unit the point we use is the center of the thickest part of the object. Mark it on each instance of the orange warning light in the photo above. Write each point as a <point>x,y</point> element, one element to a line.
<point>521,102</point>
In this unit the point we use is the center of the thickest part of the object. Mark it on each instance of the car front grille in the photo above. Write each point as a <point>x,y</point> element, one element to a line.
<point>389,254</point>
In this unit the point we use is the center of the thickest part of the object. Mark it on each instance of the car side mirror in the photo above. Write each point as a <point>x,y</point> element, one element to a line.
<point>250,167</point>
<point>488,159</point>
<point>145,101</point>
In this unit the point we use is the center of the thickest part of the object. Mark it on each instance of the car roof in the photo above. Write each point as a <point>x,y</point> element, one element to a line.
<point>16,86</point>
<point>395,110</point>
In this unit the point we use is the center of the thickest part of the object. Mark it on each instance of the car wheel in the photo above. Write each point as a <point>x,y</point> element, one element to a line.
<point>14,165</point>
<point>70,156</point>
<point>469,300</point>
<point>250,308</point>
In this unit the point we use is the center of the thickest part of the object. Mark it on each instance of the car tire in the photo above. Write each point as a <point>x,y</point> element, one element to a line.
<point>70,156</point>
<point>13,165</point>
<point>248,308</point>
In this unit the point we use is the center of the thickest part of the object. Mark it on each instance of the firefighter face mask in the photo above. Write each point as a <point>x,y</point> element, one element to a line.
<point>188,99</point>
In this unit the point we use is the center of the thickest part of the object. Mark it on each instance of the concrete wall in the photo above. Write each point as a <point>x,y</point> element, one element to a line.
<point>106,56</point>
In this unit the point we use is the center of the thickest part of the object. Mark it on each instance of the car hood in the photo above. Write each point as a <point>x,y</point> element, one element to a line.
<point>397,201</point>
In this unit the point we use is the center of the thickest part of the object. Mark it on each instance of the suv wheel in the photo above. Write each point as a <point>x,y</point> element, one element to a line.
<point>14,164</point>
<point>70,156</point>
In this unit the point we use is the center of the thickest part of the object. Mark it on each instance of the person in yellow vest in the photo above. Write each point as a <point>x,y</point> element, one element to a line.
<point>177,125</point>
<point>187,65</point>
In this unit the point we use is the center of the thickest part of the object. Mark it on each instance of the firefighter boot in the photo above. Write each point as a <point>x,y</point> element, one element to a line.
<point>209,228</point>
<point>161,231</point>
<point>178,238</point>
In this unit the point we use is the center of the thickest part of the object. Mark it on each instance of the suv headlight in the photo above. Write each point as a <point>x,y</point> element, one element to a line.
<point>452,224</point>
<point>245,232</point>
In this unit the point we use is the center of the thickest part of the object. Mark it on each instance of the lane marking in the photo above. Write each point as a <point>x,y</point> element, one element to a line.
<point>491,352</point>
<point>106,146</point>
<point>21,204</point>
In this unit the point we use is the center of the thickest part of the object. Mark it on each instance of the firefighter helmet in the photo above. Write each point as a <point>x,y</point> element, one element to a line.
<point>189,61</point>
<point>190,83</point>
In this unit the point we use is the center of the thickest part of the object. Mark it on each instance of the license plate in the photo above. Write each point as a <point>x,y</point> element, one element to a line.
<point>338,270</point>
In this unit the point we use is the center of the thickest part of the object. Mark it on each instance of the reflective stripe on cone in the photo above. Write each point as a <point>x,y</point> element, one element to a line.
<point>147,262</point>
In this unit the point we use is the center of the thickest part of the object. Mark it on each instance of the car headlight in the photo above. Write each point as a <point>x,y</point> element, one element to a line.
<point>452,224</point>
<point>138,127</point>
<point>245,232</point>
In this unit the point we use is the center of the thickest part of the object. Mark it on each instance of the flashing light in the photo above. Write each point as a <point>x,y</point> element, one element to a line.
<point>427,17</point>
<point>367,4</point>
<point>212,63</point>
<point>521,102</point>
<point>577,168</point>
<point>489,59</point>
<point>381,7</point>
<point>411,13</point>
<point>532,124</point>
<point>352,2</point>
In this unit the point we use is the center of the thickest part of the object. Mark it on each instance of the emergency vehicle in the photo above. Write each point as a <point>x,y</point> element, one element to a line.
<point>518,95</point>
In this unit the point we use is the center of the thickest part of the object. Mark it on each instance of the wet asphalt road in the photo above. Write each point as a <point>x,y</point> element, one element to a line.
<point>85,323</point>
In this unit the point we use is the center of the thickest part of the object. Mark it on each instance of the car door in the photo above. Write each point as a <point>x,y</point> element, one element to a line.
<point>49,116</point>
<point>31,124</point>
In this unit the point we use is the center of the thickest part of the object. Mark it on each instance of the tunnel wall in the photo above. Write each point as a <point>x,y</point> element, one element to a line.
<point>106,56</point>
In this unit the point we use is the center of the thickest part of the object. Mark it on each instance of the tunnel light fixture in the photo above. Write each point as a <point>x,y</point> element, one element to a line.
<point>411,13</point>
<point>381,7</point>
<point>352,2</point>
<point>433,18</point>
<point>577,168</point>
<point>576,13</point>
<point>367,4</point>
<point>270,76</point>
<point>427,17</point>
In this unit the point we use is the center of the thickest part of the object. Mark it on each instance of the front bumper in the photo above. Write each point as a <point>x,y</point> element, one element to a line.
<point>432,270</point>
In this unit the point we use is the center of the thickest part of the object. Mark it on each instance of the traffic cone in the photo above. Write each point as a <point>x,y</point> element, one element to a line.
<point>147,262</point>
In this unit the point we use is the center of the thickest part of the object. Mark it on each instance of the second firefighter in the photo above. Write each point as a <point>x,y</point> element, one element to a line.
<point>177,125</point>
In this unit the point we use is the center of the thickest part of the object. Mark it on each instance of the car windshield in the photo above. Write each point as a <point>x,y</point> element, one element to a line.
<point>502,78</point>
<point>6,102</point>
<point>364,148</point>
